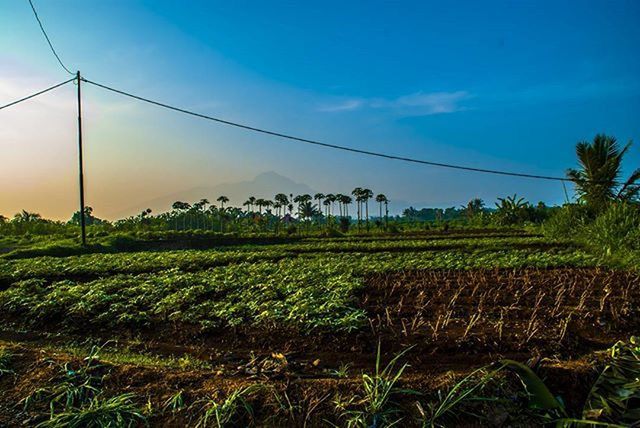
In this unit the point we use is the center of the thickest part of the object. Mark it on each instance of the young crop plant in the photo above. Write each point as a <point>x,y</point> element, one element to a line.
<point>6,358</point>
<point>72,387</point>
<point>99,412</point>
<point>375,406</point>
<point>227,412</point>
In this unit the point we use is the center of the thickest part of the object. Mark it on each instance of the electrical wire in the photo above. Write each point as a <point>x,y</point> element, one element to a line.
<point>37,93</point>
<point>332,146</point>
<point>47,37</point>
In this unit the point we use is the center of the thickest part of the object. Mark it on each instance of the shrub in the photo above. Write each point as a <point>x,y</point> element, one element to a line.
<point>567,222</point>
<point>616,229</point>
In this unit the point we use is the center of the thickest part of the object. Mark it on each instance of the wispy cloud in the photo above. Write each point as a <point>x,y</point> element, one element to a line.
<point>415,104</point>
<point>346,105</point>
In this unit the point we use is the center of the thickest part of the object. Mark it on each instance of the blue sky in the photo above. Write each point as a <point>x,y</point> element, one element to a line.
<point>504,85</point>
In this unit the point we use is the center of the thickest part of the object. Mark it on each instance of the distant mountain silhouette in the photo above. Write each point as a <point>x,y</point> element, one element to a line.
<point>264,185</point>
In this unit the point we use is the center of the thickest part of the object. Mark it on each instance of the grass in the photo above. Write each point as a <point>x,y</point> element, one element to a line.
<point>228,411</point>
<point>6,359</point>
<point>375,406</point>
<point>99,412</point>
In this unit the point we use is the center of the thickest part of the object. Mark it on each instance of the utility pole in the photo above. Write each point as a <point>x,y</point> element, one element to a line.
<point>80,164</point>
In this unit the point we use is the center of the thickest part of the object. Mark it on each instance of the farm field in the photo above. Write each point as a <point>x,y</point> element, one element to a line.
<point>301,333</point>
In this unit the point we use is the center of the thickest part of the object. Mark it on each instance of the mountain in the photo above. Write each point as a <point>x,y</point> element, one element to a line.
<point>264,185</point>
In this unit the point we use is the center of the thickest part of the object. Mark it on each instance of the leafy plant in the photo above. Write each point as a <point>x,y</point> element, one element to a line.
<point>613,400</point>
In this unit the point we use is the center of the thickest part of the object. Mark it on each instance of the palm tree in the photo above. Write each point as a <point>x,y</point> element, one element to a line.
<point>250,202</point>
<point>366,195</point>
<point>600,166</point>
<point>25,216</point>
<point>182,208</point>
<point>346,201</point>
<point>300,200</point>
<point>260,203</point>
<point>282,200</point>
<point>319,197</point>
<point>357,192</point>
<point>339,198</point>
<point>382,199</point>
<point>199,208</point>
<point>331,198</point>
<point>223,200</point>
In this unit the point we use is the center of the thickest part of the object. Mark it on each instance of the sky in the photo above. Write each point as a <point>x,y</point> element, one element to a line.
<point>507,85</point>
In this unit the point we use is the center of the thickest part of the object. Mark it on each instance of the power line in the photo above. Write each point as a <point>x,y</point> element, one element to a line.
<point>333,146</point>
<point>47,37</point>
<point>37,93</point>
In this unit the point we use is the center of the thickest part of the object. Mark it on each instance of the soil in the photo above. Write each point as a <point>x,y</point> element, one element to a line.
<point>450,321</point>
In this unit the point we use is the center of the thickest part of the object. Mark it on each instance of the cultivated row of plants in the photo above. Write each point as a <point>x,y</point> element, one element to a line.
<point>92,265</point>
<point>307,292</point>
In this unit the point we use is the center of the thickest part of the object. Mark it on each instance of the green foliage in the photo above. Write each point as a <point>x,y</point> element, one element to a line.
<point>6,358</point>
<point>597,180</point>
<point>567,222</point>
<point>226,412</point>
<point>375,406</point>
<point>613,400</point>
<point>616,229</point>
<point>615,397</point>
<point>99,412</point>
<point>539,395</point>
<point>448,408</point>
<point>71,387</point>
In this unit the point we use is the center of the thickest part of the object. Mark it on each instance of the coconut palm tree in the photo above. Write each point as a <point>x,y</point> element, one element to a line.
<point>25,217</point>
<point>600,168</point>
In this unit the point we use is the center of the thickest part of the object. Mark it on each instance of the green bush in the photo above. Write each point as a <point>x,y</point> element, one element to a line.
<point>615,230</point>
<point>567,222</point>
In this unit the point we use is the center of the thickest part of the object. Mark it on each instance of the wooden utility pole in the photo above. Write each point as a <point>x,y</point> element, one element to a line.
<point>80,164</point>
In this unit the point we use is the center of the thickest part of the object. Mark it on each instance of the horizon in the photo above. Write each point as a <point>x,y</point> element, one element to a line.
<point>515,91</point>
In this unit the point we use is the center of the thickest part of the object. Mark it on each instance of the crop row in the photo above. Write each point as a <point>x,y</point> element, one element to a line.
<point>309,292</point>
<point>90,266</point>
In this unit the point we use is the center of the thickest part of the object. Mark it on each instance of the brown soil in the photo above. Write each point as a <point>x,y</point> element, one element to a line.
<point>454,321</point>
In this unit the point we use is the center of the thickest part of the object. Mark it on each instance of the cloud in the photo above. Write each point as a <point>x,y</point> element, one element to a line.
<point>415,104</point>
<point>346,105</point>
